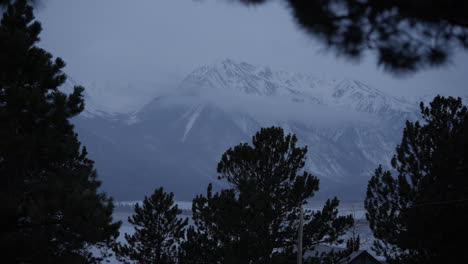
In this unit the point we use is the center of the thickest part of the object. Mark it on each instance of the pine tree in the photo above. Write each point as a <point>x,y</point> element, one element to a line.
<point>420,215</point>
<point>256,219</point>
<point>51,209</point>
<point>158,231</point>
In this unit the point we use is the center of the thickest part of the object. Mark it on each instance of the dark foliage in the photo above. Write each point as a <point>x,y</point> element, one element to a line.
<point>7,2</point>
<point>256,219</point>
<point>421,214</point>
<point>51,209</point>
<point>354,243</point>
<point>158,231</point>
<point>406,35</point>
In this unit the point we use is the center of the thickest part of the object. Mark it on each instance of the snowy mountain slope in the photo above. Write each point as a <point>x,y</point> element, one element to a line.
<point>177,139</point>
<point>243,78</point>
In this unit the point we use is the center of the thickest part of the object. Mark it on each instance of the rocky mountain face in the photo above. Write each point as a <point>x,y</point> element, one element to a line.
<point>177,139</point>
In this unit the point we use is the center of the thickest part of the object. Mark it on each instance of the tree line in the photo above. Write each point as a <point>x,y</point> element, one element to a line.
<point>53,211</point>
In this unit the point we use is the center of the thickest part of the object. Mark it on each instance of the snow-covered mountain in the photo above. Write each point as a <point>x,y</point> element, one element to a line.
<point>177,139</point>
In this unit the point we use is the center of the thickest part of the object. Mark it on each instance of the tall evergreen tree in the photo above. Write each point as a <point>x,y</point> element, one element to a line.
<point>421,214</point>
<point>256,219</point>
<point>51,209</point>
<point>158,231</point>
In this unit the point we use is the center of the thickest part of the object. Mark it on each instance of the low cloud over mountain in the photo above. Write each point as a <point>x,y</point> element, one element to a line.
<point>177,139</point>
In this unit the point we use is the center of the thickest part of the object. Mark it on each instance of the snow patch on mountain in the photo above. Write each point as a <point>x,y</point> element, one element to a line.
<point>192,117</point>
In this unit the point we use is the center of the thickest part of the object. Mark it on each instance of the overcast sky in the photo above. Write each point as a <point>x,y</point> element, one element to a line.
<point>124,51</point>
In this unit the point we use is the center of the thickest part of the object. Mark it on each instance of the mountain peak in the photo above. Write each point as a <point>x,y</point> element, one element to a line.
<point>225,61</point>
<point>231,76</point>
<point>228,63</point>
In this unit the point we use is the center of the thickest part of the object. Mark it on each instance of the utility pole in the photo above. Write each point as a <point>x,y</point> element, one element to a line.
<point>299,237</point>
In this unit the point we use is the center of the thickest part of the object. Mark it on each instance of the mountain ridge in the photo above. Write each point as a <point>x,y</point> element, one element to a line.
<point>177,138</point>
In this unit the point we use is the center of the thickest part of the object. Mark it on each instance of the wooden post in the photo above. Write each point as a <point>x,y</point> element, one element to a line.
<point>299,237</point>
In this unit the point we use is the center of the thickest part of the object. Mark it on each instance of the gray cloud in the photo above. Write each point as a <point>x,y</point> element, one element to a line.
<point>270,110</point>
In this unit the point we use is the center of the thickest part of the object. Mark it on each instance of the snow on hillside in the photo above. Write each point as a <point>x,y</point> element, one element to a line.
<point>246,79</point>
<point>177,138</point>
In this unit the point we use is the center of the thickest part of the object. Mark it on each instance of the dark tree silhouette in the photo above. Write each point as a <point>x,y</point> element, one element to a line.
<point>256,219</point>
<point>30,2</point>
<point>421,214</point>
<point>158,231</point>
<point>405,35</point>
<point>51,210</point>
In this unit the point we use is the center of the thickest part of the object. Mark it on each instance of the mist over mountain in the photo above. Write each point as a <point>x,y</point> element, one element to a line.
<point>177,138</point>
